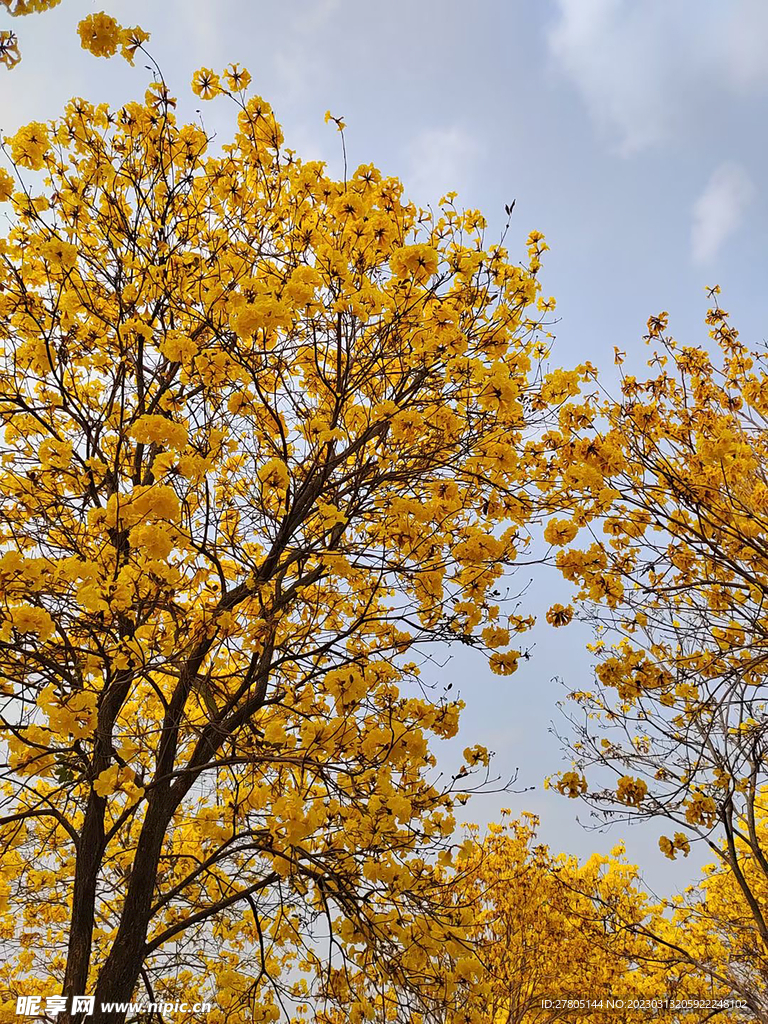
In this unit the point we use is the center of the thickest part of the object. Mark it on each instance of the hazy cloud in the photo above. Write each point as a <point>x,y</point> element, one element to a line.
<point>607,48</point>
<point>719,210</point>
<point>645,70</point>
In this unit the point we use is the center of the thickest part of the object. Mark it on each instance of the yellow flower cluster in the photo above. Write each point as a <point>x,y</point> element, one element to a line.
<point>153,501</point>
<point>504,663</point>
<point>10,55</point>
<point>415,262</point>
<point>571,784</point>
<point>117,779</point>
<point>700,809</point>
<point>30,146</point>
<point>6,185</point>
<point>631,791</point>
<point>207,84</point>
<point>679,843</point>
<point>74,717</point>
<point>153,539</point>
<point>560,531</point>
<point>20,7</point>
<point>559,615</point>
<point>59,255</point>
<point>101,35</point>
<point>152,428</point>
<point>30,619</point>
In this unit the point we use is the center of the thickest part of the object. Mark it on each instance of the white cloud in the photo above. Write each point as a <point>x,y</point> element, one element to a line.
<point>646,70</point>
<point>607,51</point>
<point>440,160</point>
<point>719,210</point>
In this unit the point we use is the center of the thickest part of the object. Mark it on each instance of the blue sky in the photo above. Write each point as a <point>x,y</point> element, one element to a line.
<point>624,131</point>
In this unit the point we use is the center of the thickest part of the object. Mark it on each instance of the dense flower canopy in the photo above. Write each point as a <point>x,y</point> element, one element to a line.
<point>266,436</point>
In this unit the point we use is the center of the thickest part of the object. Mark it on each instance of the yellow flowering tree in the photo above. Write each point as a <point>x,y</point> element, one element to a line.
<point>551,931</point>
<point>265,441</point>
<point>713,924</point>
<point>563,941</point>
<point>673,571</point>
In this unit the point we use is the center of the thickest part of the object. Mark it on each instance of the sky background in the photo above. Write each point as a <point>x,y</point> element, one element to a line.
<point>625,132</point>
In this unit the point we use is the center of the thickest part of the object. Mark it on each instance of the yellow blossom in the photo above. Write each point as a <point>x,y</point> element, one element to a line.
<point>100,34</point>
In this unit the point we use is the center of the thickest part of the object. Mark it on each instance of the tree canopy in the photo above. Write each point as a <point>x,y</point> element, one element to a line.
<point>265,441</point>
<point>675,581</point>
<point>271,438</point>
